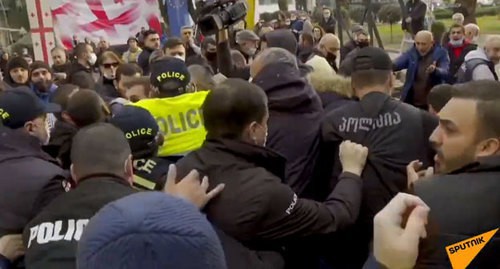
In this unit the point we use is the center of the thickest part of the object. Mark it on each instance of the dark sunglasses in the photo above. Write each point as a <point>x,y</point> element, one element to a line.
<point>111,65</point>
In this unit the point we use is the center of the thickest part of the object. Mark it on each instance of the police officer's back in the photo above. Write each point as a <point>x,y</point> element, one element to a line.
<point>394,132</point>
<point>144,137</point>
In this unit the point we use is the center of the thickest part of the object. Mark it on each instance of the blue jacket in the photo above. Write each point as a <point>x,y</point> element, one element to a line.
<point>44,96</point>
<point>409,60</point>
<point>4,262</point>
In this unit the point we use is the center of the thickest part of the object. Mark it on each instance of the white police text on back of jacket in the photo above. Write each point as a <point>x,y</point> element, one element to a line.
<point>67,230</point>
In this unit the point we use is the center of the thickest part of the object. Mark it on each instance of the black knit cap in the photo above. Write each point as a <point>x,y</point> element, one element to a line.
<point>39,64</point>
<point>371,58</point>
<point>17,62</point>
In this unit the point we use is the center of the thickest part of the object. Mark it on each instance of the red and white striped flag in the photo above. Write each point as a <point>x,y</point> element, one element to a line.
<point>114,20</point>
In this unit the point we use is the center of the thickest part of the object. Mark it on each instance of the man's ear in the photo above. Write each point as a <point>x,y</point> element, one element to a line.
<point>73,174</point>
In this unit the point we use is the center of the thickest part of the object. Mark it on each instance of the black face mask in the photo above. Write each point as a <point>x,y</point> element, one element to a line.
<point>330,57</point>
<point>363,44</point>
<point>211,56</point>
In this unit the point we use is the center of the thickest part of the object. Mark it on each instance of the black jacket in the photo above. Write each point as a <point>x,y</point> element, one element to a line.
<point>463,204</point>
<point>256,208</point>
<point>328,25</point>
<point>456,62</point>
<point>59,146</point>
<point>81,76</point>
<point>143,60</point>
<point>292,100</point>
<point>52,236</point>
<point>25,169</point>
<point>346,49</point>
<point>151,173</point>
<point>226,65</point>
<point>384,125</point>
<point>416,9</point>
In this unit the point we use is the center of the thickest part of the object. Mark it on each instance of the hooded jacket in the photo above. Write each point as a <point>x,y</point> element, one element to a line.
<point>476,66</point>
<point>284,38</point>
<point>26,169</point>
<point>295,114</point>
<point>457,61</point>
<point>335,91</point>
<point>464,203</point>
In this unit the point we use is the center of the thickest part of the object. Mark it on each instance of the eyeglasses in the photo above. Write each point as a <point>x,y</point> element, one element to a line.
<point>111,65</point>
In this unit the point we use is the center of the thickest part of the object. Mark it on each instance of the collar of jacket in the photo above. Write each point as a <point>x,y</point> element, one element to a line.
<point>260,156</point>
<point>19,144</point>
<point>483,164</point>
<point>103,176</point>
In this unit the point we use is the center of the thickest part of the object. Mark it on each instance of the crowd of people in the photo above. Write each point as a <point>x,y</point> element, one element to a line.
<point>277,147</point>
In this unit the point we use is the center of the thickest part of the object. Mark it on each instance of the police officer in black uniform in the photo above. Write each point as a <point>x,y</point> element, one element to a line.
<point>142,133</point>
<point>395,134</point>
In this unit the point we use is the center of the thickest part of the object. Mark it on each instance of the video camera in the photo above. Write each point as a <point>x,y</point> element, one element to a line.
<point>213,17</point>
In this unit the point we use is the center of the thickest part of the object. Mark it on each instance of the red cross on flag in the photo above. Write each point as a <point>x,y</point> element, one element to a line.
<point>114,20</point>
<point>42,31</point>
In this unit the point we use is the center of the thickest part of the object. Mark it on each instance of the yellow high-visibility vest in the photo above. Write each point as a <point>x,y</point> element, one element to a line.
<point>180,121</point>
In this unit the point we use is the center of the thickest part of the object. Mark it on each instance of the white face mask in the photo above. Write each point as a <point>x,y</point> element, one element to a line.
<point>475,39</point>
<point>93,58</point>
<point>180,57</point>
<point>251,52</point>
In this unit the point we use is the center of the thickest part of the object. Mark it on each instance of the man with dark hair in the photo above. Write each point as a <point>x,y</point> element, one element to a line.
<point>208,56</point>
<point>41,79</point>
<point>85,107</point>
<point>360,39</point>
<point>124,74</point>
<point>139,88</point>
<point>438,97</point>
<point>187,37</point>
<point>328,21</point>
<point>25,167</point>
<point>17,72</point>
<point>457,48</point>
<point>468,146</point>
<point>259,210</point>
<point>384,125</point>
<point>151,43</point>
<point>174,47</point>
<point>102,167</point>
<point>80,72</point>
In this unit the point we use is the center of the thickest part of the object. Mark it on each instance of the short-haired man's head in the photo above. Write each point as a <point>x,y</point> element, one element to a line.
<point>272,56</point>
<point>62,95</point>
<point>236,109</point>
<point>138,88</point>
<point>472,32</point>
<point>86,107</point>
<point>201,77</point>
<point>174,47</point>
<point>458,18</point>
<point>371,78</point>
<point>457,32</point>
<point>492,48</point>
<point>469,126</point>
<point>59,55</point>
<point>125,73</point>
<point>151,39</point>
<point>99,149</point>
<point>439,96</point>
<point>82,50</point>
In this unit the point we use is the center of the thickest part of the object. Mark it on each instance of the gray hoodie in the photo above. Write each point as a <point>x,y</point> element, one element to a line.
<point>482,71</point>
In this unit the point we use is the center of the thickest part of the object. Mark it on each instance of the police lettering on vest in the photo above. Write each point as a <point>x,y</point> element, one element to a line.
<point>66,230</point>
<point>180,121</point>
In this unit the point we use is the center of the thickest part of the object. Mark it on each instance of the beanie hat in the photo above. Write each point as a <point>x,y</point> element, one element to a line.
<point>17,62</point>
<point>149,230</point>
<point>39,64</point>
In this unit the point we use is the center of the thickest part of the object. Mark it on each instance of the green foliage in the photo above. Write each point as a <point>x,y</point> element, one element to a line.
<point>442,14</point>
<point>356,13</point>
<point>390,13</point>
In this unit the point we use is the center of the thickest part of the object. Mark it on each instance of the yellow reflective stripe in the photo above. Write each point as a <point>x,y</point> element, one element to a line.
<point>144,182</point>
